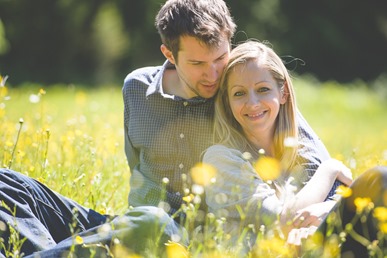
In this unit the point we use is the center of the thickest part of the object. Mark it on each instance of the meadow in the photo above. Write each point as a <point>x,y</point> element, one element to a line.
<point>71,138</point>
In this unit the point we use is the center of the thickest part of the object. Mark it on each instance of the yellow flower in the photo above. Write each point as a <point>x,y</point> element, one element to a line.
<point>344,191</point>
<point>42,91</point>
<point>3,91</point>
<point>188,198</point>
<point>331,247</point>
<point>268,168</point>
<point>361,203</point>
<point>275,247</point>
<point>202,174</point>
<point>79,240</point>
<point>176,250</point>
<point>380,213</point>
<point>102,210</point>
<point>383,227</point>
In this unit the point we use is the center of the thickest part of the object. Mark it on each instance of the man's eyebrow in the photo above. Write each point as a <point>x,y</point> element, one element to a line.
<point>221,56</point>
<point>195,61</point>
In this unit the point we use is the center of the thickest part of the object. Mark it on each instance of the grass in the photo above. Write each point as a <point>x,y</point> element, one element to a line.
<point>350,120</point>
<point>71,139</point>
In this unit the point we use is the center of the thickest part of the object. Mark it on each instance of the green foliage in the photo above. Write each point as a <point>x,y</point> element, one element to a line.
<point>93,42</point>
<point>71,139</point>
<point>349,118</point>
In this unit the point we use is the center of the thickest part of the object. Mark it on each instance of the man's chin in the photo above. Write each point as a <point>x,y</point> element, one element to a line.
<point>209,93</point>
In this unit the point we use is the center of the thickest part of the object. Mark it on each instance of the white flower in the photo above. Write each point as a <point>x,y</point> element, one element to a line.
<point>34,98</point>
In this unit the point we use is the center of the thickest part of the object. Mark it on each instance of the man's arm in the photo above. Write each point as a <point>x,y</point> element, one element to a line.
<point>131,153</point>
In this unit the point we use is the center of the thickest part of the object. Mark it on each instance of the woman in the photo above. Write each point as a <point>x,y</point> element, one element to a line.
<point>256,120</point>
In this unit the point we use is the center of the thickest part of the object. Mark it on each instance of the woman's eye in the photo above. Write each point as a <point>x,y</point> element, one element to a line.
<point>238,93</point>
<point>263,89</point>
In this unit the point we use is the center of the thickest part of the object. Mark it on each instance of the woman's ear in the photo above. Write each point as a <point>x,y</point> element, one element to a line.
<point>284,93</point>
<point>167,53</point>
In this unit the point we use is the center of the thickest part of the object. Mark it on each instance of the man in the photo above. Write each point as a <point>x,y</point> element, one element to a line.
<point>169,109</point>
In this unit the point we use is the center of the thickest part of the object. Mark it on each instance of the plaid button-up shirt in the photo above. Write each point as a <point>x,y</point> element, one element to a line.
<point>165,136</point>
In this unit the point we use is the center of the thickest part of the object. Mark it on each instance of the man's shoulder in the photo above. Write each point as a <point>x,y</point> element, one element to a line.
<point>142,76</point>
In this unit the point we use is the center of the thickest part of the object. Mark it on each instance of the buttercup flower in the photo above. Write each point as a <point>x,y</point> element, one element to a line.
<point>268,168</point>
<point>203,173</point>
<point>79,240</point>
<point>344,191</point>
<point>176,250</point>
<point>362,203</point>
<point>381,213</point>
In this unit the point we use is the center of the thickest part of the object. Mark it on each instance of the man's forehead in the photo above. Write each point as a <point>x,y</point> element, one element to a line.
<point>192,48</point>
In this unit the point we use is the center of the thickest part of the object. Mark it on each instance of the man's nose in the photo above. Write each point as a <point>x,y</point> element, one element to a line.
<point>212,73</point>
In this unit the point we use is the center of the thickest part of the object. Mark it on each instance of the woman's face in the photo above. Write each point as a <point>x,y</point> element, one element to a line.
<point>255,99</point>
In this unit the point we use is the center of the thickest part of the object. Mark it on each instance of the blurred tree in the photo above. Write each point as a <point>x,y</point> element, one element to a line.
<point>341,40</point>
<point>99,41</point>
<point>4,45</point>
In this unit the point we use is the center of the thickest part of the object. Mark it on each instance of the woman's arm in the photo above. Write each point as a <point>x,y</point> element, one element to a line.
<point>316,189</point>
<point>237,192</point>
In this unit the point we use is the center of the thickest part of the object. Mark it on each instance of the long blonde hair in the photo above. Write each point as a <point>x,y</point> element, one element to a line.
<point>228,131</point>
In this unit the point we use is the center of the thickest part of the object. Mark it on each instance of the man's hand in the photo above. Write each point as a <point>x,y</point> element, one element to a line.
<point>296,235</point>
<point>312,215</point>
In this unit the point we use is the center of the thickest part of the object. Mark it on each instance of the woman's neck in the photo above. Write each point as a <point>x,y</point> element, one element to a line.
<point>265,142</point>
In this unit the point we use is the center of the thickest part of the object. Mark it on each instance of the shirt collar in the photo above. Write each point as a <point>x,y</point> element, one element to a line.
<point>156,84</point>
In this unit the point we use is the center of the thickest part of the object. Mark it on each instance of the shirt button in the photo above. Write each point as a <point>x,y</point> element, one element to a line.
<point>185,103</point>
<point>181,166</point>
<point>181,135</point>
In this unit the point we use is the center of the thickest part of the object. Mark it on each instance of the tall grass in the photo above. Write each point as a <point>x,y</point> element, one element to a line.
<point>350,119</point>
<point>71,139</point>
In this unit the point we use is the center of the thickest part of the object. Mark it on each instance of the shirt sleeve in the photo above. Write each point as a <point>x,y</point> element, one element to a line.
<point>132,155</point>
<point>237,192</point>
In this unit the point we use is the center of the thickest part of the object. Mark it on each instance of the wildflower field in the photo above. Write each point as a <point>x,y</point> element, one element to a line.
<point>71,138</point>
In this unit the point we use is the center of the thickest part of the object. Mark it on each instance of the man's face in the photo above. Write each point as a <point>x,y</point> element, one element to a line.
<point>199,68</point>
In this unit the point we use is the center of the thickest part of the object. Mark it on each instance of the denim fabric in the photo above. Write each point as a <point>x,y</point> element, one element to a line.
<point>42,216</point>
<point>370,184</point>
<point>142,230</point>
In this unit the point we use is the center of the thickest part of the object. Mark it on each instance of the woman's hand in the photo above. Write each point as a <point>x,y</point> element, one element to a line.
<point>312,215</point>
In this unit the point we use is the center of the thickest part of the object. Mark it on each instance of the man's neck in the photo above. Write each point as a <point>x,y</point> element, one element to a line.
<point>172,85</point>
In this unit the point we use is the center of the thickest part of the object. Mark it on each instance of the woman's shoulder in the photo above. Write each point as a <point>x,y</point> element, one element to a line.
<point>220,149</point>
<point>221,154</point>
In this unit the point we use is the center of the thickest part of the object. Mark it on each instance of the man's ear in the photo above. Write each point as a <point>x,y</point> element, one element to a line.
<point>167,53</point>
<point>284,93</point>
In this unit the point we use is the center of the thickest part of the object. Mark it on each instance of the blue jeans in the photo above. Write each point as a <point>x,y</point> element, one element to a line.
<point>371,184</point>
<point>47,219</point>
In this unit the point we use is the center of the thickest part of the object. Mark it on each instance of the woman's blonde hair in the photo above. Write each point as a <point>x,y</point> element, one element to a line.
<point>228,131</point>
